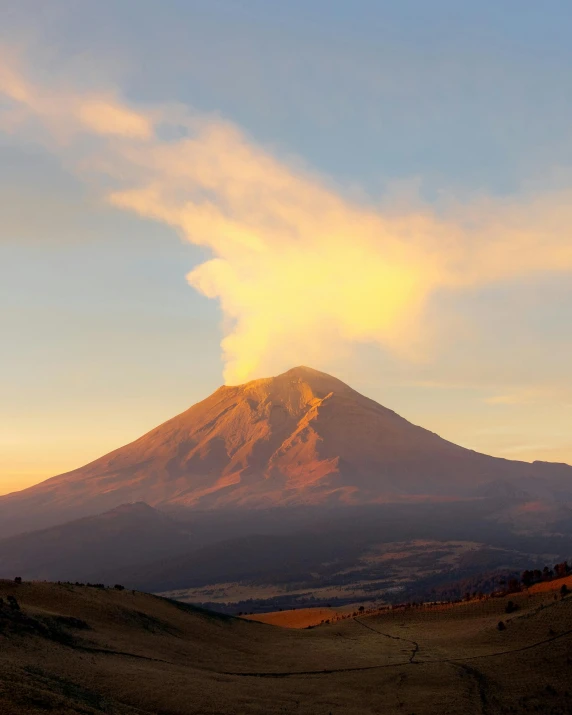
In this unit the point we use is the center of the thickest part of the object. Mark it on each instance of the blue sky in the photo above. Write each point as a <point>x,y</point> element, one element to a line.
<point>411,104</point>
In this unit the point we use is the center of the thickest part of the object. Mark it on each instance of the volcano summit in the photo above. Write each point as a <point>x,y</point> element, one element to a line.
<point>301,438</point>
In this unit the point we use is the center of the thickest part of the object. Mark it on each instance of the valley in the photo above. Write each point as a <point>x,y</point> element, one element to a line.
<point>384,573</point>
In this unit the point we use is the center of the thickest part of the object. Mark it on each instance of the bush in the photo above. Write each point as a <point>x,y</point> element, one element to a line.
<point>501,626</point>
<point>13,603</point>
<point>119,587</point>
<point>564,590</point>
<point>18,579</point>
<point>511,607</point>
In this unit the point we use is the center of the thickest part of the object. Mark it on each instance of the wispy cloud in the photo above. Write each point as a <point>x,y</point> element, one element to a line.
<point>298,268</point>
<point>550,394</point>
<point>64,113</point>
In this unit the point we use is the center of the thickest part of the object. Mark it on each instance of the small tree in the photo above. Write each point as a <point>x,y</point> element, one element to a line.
<point>564,590</point>
<point>527,578</point>
<point>361,609</point>
<point>501,626</point>
<point>511,607</point>
<point>18,579</point>
<point>513,585</point>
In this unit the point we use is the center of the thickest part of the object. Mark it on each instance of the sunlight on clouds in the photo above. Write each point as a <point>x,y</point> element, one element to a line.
<point>12,85</point>
<point>553,395</point>
<point>63,112</point>
<point>294,262</point>
<point>106,117</point>
<point>298,269</point>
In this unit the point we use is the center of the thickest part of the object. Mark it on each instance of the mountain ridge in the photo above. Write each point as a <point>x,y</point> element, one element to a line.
<point>302,437</point>
<point>85,548</point>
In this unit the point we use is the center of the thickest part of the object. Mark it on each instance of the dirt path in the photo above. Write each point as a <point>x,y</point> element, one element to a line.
<point>480,684</point>
<point>410,661</point>
<point>395,638</point>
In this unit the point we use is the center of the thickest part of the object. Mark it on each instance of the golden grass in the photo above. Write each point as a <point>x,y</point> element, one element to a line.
<point>296,618</point>
<point>547,586</point>
<point>142,654</point>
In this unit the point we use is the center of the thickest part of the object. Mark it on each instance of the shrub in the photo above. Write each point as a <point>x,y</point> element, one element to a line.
<point>71,622</point>
<point>527,578</point>
<point>13,603</point>
<point>564,590</point>
<point>119,587</point>
<point>513,585</point>
<point>18,579</point>
<point>511,607</point>
<point>501,626</point>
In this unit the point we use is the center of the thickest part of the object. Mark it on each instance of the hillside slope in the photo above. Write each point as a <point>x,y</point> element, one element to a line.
<point>303,437</point>
<point>83,650</point>
<point>84,549</point>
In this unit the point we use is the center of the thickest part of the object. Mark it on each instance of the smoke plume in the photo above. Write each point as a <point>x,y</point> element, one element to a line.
<point>298,268</point>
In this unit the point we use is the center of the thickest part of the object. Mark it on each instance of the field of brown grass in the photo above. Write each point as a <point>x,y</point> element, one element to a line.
<point>547,586</point>
<point>76,649</point>
<point>297,618</point>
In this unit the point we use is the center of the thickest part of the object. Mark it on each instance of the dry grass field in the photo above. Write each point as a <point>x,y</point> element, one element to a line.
<point>77,649</point>
<point>297,618</point>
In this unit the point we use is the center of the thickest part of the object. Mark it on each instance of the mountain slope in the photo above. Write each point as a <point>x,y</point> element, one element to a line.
<point>86,548</point>
<point>303,437</point>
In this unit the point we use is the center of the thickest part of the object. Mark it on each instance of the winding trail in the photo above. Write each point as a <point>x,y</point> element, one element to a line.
<point>480,683</point>
<point>395,638</point>
<point>410,661</point>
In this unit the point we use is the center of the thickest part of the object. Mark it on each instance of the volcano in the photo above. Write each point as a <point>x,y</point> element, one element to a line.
<point>301,438</point>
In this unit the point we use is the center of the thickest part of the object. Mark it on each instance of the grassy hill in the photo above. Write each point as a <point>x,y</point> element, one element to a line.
<point>79,649</point>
